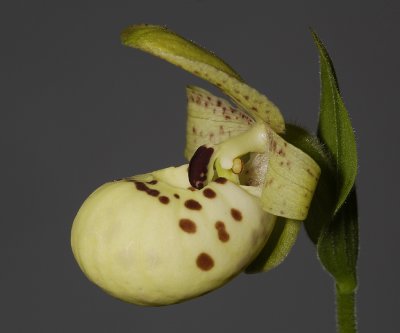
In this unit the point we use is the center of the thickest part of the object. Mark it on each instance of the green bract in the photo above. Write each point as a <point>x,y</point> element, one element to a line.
<point>177,233</point>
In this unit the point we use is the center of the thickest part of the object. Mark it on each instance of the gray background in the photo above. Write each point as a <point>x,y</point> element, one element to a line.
<point>78,109</point>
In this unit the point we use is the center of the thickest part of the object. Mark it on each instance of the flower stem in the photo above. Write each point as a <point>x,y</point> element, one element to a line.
<point>346,311</point>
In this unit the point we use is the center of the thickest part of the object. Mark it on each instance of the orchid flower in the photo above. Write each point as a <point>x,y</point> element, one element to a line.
<point>177,233</point>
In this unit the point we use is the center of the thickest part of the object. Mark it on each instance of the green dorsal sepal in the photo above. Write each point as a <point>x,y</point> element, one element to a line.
<point>166,44</point>
<point>171,47</point>
<point>211,120</point>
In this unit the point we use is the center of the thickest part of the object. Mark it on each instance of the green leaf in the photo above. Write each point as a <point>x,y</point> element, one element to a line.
<point>171,47</point>
<point>278,246</point>
<point>336,235</point>
<point>335,129</point>
<point>338,240</point>
<point>338,246</point>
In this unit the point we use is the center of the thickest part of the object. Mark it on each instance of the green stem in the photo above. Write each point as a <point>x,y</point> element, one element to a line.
<point>346,311</point>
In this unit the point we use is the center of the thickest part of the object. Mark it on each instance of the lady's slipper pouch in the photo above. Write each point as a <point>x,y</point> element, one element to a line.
<point>179,232</point>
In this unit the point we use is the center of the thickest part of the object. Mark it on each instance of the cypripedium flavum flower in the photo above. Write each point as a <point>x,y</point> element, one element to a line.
<point>180,232</point>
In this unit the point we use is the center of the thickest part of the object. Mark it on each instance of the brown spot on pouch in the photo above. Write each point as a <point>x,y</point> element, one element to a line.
<point>141,186</point>
<point>192,204</point>
<point>204,262</point>
<point>153,193</point>
<point>222,233</point>
<point>164,200</point>
<point>221,180</point>
<point>236,214</point>
<point>187,225</point>
<point>209,193</point>
<point>144,188</point>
